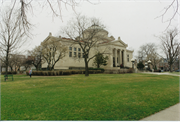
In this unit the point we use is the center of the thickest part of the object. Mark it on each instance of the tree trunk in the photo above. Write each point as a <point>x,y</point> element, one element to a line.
<point>98,66</point>
<point>170,67</point>
<point>86,67</point>
<point>7,55</point>
<point>11,69</point>
<point>36,66</point>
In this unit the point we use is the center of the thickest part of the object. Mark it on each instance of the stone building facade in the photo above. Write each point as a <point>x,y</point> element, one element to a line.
<point>116,50</point>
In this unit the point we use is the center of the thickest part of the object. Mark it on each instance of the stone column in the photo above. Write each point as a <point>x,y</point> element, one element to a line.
<point>124,57</point>
<point>120,60</point>
<point>111,58</point>
<point>115,50</point>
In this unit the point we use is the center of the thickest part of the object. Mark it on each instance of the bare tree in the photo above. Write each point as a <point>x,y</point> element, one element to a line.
<point>170,46</point>
<point>149,52</point>
<point>53,51</point>
<point>12,35</point>
<point>173,5</point>
<point>26,6</point>
<point>27,63</point>
<point>37,57</point>
<point>89,34</point>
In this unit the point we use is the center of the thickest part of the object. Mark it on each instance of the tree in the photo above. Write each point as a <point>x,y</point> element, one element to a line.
<point>149,52</point>
<point>170,46</point>
<point>53,51</point>
<point>89,34</point>
<point>100,60</point>
<point>12,35</point>
<point>173,5</point>
<point>37,57</point>
<point>27,62</point>
<point>26,6</point>
<point>140,65</point>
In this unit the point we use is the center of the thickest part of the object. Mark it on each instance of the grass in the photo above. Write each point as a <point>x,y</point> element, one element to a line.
<point>97,97</point>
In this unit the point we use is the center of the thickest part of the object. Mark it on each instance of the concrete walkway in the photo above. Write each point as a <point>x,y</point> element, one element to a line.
<point>169,114</point>
<point>156,73</point>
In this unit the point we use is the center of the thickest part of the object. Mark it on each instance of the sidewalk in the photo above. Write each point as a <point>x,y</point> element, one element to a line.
<point>169,114</point>
<point>156,73</point>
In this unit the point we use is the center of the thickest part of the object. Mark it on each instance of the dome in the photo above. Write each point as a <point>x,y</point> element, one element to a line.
<point>94,26</point>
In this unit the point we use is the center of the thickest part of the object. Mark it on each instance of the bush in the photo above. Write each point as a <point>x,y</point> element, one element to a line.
<point>140,65</point>
<point>82,72</point>
<point>27,73</point>
<point>97,69</point>
<point>60,72</point>
<point>46,73</point>
<point>57,73</point>
<point>75,72</point>
<point>66,72</point>
<point>130,70</point>
<point>13,72</point>
<point>39,73</point>
<point>54,73</point>
<point>157,70</point>
<point>122,66</point>
<point>91,72</point>
<point>34,73</point>
<point>50,73</point>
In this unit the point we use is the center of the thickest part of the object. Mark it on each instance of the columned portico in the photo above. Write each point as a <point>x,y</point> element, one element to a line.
<point>118,57</point>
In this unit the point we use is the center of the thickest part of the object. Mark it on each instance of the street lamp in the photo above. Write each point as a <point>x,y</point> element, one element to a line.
<point>132,60</point>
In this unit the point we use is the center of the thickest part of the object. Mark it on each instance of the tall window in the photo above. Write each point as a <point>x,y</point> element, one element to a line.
<point>70,48</point>
<point>128,58</point>
<point>74,48</point>
<point>70,54</point>
<point>74,54</point>
<point>79,55</point>
<point>79,49</point>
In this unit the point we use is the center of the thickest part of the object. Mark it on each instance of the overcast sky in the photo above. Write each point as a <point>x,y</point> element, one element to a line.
<point>135,22</point>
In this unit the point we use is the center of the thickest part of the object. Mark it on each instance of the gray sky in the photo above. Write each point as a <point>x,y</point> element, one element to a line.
<point>135,21</point>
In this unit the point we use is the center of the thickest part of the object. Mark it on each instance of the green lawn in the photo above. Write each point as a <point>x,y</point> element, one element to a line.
<point>97,97</point>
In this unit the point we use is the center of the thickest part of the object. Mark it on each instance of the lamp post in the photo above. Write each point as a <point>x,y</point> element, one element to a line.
<point>149,62</point>
<point>132,60</point>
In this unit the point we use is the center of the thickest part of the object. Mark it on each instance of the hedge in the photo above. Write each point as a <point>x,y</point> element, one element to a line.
<point>13,72</point>
<point>63,72</point>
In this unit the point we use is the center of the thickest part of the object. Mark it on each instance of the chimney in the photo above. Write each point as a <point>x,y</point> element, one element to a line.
<point>50,34</point>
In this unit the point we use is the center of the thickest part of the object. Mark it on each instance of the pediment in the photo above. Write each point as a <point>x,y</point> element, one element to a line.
<point>119,43</point>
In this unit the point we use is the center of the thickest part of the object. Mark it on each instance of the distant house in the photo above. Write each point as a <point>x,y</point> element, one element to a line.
<point>163,65</point>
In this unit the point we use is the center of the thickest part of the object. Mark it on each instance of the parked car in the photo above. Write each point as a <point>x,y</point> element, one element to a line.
<point>177,70</point>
